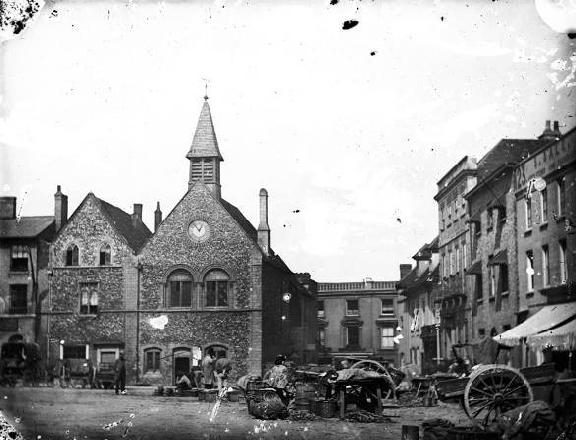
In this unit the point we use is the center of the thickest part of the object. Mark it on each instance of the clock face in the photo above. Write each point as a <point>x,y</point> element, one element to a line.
<point>199,230</point>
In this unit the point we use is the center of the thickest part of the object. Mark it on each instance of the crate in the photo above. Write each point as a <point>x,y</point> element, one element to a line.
<point>451,388</point>
<point>540,375</point>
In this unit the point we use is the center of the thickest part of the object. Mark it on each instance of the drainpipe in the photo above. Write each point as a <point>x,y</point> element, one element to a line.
<point>138,270</point>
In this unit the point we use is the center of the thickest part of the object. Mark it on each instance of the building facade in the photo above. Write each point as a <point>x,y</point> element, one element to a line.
<point>454,254</point>
<point>359,319</point>
<point>545,196</point>
<point>493,272</point>
<point>418,292</point>
<point>24,254</point>
<point>205,278</point>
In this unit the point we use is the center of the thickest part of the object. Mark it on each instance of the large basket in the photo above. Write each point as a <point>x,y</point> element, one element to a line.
<point>324,408</point>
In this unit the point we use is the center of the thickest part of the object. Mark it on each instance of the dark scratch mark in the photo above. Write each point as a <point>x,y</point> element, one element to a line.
<point>373,53</point>
<point>296,211</point>
<point>571,35</point>
<point>442,18</point>
<point>349,24</point>
<point>333,2</point>
<point>398,219</point>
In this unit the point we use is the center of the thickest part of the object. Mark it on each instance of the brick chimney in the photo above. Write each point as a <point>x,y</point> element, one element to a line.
<point>263,228</point>
<point>137,215</point>
<point>7,208</point>
<point>157,217</point>
<point>405,270</point>
<point>548,134</point>
<point>60,208</point>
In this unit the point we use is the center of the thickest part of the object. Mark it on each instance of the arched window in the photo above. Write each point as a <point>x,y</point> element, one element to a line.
<point>179,289</point>
<point>217,287</point>
<point>105,255</point>
<point>152,359</point>
<point>72,255</point>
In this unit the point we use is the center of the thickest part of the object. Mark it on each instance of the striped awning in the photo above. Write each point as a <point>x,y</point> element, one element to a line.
<point>545,319</point>
<point>500,259</point>
<point>475,269</point>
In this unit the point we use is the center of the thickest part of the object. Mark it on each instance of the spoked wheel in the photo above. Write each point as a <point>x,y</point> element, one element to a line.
<point>389,390</point>
<point>493,390</point>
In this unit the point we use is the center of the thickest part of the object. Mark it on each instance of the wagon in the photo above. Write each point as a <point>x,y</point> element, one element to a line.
<point>492,389</point>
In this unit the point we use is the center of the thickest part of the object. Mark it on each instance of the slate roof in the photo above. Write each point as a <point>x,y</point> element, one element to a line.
<point>245,224</point>
<point>204,143</point>
<point>507,151</point>
<point>135,233</point>
<point>26,227</point>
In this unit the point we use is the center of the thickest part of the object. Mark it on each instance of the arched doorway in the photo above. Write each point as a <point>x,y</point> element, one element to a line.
<point>181,362</point>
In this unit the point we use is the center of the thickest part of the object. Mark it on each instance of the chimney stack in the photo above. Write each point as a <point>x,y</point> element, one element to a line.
<point>137,215</point>
<point>263,228</point>
<point>7,208</point>
<point>157,217</point>
<point>60,209</point>
<point>548,133</point>
<point>405,270</point>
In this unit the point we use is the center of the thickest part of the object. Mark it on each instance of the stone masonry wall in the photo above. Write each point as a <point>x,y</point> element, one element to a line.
<point>228,248</point>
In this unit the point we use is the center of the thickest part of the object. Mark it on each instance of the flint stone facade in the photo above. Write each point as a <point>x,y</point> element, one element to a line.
<point>267,309</point>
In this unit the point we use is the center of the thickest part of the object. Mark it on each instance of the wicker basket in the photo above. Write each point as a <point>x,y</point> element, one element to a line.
<point>325,408</point>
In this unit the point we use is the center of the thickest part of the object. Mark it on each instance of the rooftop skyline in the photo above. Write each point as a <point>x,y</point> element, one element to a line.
<point>348,130</point>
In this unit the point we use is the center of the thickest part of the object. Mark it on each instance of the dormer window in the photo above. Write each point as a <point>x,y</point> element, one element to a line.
<point>72,255</point>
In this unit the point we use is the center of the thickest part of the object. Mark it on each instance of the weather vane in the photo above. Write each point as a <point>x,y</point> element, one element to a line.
<point>205,88</point>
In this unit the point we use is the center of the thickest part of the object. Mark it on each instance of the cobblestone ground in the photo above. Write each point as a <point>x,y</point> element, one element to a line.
<point>54,413</point>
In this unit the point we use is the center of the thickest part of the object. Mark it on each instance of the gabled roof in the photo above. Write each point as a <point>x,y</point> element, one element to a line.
<point>204,143</point>
<point>134,232</point>
<point>240,219</point>
<point>273,259</point>
<point>25,227</point>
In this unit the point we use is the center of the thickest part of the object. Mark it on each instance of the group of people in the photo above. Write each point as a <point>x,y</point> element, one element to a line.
<point>213,371</point>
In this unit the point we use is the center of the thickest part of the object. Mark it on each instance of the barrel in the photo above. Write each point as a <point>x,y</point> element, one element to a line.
<point>302,404</point>
<point>305,391</point>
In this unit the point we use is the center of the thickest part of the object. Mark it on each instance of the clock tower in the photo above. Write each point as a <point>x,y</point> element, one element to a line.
<point>204,155</point>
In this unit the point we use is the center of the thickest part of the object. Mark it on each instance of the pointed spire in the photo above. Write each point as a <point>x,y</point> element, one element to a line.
<point>204,143</point>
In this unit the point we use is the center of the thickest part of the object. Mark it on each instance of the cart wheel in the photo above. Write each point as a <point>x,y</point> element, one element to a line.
<point>389,392</point>
<point>493,390</point>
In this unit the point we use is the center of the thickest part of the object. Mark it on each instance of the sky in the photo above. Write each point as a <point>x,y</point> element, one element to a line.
<point>348,129</point>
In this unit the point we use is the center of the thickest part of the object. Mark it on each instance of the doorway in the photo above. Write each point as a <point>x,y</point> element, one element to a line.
<point>181,367</point>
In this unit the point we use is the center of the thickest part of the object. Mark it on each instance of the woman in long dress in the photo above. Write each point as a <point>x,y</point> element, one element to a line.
<point>208,369</point>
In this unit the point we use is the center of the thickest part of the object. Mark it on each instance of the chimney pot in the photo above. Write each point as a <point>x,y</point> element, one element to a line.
<point>405,270</point>
<point>556,127</point>
<point>547,125</point>
<point>138,210</point>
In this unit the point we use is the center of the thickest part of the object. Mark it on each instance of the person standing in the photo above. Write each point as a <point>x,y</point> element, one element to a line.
<point>208,368</point>
<point>120,374</point>
<point>222,368</point>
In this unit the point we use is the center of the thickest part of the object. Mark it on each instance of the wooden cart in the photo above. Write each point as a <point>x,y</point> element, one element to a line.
<point>492,389</point>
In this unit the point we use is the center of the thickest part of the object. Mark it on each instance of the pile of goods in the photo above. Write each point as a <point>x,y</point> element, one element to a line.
<point>267,405</point>
<point>298,415</point>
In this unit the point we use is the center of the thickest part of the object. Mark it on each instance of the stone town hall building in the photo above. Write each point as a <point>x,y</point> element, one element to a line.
<point>204,278</point>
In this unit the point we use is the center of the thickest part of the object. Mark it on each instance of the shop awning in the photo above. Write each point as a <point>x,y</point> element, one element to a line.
<point>500,259</point>
<point>475,269</point>
<point>547,318</point>
<point>560,338</point>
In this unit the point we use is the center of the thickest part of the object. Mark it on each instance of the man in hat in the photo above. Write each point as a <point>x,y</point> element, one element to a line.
<point>120,374</point>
